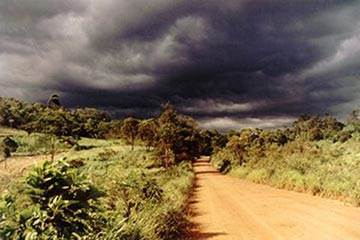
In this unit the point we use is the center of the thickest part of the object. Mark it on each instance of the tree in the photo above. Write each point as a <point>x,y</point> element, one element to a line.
<point>129,130</point>
<point>147,132</point>
<point>178,136</point>
<point>54,101</point>
<point>206,142</point>
<point>35,117</point>
<point>218,140</point>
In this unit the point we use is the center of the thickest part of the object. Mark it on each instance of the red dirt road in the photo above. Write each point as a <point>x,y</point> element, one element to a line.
<point>227,208</point>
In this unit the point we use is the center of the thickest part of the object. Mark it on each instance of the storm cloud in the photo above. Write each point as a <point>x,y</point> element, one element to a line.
<point>227,63</point>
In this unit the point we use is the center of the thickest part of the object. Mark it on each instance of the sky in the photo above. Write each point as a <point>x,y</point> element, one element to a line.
<point>229,64</point>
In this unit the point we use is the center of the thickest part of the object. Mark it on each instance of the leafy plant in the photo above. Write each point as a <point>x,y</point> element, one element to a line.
<point>57,203</point>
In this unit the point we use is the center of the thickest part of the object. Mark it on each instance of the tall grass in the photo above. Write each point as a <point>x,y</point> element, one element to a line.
<point>140,200</point>
<point>321,167</point>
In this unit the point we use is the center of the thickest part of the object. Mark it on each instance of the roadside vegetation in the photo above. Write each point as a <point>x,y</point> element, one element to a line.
<point>131,181</point>
<point>78,174</point>
<point>316,155</point>
<point>102,193</point>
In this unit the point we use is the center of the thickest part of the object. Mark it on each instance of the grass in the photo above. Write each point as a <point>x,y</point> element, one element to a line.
<point>134,169</point>
<point>321,168</point>
<point>141,201</point>
<point>4,132</point>
<point>40,144</point>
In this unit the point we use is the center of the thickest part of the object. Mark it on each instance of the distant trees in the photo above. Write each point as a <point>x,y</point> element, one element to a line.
<point>59,121</point>
<point>353,121</point>
<point>252,146</point>
<point>176,137</point>
<point>315,128</point>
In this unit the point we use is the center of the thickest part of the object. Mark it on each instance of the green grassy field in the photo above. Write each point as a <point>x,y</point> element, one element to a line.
<point>136,199</point>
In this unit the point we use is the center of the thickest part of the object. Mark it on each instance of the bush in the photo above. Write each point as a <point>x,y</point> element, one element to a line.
<point>225,166</point>
<point>59,203</point>
<point>344,136</point>
<point>315,134</point>
<point>10,144</point>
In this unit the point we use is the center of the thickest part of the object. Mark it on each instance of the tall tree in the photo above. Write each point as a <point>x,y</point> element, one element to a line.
<point>177,136</point>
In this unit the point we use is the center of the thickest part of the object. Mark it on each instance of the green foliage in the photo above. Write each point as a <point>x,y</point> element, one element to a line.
<point>211,141</point>
<point>318,155</point>
<point>178,137</point>
<point>57,121</point>
<point>316,128</point>
<point>320,167</point>
<point>173,225</point>
<point>110,130</point>
<point>37,143</point>
<point>56,203</point>
<point>60,200</point>
<point>129,130</point>
<point>147,132</point>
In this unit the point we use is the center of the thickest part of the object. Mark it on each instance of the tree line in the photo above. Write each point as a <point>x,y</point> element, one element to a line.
<point>255,145</point>
<point>51,119</point>
<point>174,136</point>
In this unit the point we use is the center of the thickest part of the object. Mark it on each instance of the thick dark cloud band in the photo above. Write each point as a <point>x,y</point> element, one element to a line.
<point>227,63</point>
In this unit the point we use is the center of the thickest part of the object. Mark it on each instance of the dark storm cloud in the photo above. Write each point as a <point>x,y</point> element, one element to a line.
<point>227,63</point>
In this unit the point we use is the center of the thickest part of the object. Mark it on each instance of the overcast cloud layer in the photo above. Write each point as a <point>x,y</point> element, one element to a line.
<point>228,63</point>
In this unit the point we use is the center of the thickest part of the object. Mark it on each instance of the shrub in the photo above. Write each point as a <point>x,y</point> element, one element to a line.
<point>315,134</point>
<point>225,166</point>
<point>106,155</point>
<point>344,136</point>
<point>10,144</point>
<point>59,203</point>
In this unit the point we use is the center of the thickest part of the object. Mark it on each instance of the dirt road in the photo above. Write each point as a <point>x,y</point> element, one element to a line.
<point>227,208</point>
